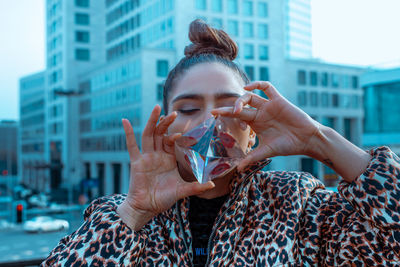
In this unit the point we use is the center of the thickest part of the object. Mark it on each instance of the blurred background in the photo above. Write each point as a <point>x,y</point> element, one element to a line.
<point>70,70</point>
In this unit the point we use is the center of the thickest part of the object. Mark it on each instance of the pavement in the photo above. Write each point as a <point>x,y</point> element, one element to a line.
<point>18,245</point>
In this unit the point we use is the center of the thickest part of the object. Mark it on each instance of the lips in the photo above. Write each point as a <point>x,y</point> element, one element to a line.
<point>220,168</point>
<point>227,140</point>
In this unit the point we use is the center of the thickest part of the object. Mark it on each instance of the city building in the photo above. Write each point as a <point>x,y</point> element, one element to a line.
<point>8,148</point>
<point>298,29</point>
<point>75,44</point>
<point>32,159</point>
<point>382,110</point>
<point>108,59</point>
<point>330,94</point>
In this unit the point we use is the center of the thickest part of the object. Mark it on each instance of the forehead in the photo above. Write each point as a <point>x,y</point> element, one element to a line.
<point>208,79</point>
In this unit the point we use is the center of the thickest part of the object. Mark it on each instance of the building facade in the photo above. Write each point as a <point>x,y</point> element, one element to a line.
<point>32,159</point>
<point>8,148</point>
<point>382,110</point>
<point>330,94</point>
<point>108,59</point>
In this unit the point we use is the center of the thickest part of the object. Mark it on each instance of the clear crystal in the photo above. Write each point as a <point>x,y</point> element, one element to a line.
<point>210,150</point>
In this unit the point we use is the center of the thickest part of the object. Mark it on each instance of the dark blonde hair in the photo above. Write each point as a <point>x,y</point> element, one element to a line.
<point>208,45</point>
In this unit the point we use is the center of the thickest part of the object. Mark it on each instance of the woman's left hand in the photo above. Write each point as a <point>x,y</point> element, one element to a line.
<point>281,127</point>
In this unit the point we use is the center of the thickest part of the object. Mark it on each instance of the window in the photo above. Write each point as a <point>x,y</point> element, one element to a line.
<point>335,100</point>
<point>262,9</point>
<point>354,82</point>
<point>263,53</point>
<point>301,77</point>
<point>160,89</point>
<point>248,8</point>
<point>82,19</point>
<point>233,27</point>
<point>313,78</point>
<point>324,79</point>
<point>325,100</point>
<point>82,37</point>
<point>314,99</point>
<point>248,29</point>
<point>201,4</point>
<point>302,98</point>
<point>264,74</point>
<point>355,101</point>
<point>309,165</point>
<point>162,68</point>
<point>248,51</point>
<point>250,72</point>
<point>335,80</point>
<point>263,31</point>
<point>348,129</point>
<point>82,3</point>
<point>329,121</point>
<point>217,5</point>
<point>232,7</point>
<point>82,54</point>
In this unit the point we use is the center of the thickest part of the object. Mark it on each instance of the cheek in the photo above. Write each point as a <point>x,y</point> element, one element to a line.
<point>241,136</point>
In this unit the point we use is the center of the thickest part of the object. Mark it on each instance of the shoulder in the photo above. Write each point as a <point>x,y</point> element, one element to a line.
<point>301,184</point>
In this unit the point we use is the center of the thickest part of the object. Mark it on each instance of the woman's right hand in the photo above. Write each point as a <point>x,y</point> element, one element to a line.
<point>155,183</point>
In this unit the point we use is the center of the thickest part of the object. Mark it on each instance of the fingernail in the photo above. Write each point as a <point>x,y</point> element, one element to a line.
<point>243,125</point>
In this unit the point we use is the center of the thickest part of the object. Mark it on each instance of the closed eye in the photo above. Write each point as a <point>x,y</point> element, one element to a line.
<point>188,111</point>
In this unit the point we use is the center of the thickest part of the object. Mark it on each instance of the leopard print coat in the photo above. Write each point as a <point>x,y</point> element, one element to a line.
<point>271,218</point>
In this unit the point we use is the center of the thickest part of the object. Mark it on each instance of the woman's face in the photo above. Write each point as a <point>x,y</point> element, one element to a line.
<point>202,88</point>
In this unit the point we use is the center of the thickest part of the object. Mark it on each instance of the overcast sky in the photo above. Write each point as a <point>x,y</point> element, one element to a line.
<point>361,32</point>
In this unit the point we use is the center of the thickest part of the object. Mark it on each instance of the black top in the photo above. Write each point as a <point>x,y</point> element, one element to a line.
<point>202,215</point>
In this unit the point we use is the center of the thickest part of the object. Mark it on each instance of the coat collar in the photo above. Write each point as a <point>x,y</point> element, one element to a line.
<point>239,181</point>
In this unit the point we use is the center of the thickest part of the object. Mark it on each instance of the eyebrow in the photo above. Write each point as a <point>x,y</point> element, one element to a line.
<point>218,96</point>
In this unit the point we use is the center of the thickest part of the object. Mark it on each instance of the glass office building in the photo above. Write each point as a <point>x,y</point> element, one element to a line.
<point>382,110</point>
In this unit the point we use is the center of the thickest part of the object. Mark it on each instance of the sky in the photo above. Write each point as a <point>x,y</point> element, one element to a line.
<point>356,32</point>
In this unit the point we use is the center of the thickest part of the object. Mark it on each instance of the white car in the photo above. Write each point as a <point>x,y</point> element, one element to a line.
<point>45,224</point>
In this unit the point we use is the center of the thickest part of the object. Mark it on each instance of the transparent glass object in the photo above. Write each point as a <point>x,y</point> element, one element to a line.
<point>210,149</point>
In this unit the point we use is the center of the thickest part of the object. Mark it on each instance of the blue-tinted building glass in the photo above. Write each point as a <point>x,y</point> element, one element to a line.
<point>232,6</point>
<point>262,9</point>
<point>217,6</point>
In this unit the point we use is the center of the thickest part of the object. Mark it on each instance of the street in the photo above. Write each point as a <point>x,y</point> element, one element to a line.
<point>18,245</point>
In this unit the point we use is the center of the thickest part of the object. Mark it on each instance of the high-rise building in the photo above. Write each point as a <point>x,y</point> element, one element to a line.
<point>8,148</point>
<point>32,159</point>
<point>382,110</point>
<point>298,38</point>
<point>75,44</point>
<point>108,59</point>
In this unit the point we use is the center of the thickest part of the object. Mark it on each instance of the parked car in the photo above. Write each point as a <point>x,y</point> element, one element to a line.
<point>45,224</point>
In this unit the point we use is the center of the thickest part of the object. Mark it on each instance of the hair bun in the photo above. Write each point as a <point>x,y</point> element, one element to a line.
<point>207,40</point>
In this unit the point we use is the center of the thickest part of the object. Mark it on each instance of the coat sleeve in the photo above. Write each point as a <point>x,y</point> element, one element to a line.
<point>360,225</point>
<point>102,240</point>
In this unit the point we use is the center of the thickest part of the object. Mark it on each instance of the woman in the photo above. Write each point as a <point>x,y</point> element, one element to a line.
<point>247,217</point>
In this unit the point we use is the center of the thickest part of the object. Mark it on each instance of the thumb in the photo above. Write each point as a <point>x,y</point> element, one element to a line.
<point>260,153</point>
<point>193,188</point>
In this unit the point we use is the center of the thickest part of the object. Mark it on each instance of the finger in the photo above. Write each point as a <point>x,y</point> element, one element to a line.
<point>194,188</point>
<point>148,132</point>
<point>246,114</point>
<point>134,152</point>
<point>162,128</point>
<point>256,155</point>
<point>248,99</point>
<point>266,87</point>
<point>169,142</point>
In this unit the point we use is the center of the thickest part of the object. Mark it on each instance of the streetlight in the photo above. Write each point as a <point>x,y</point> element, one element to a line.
<point>63,92</point>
